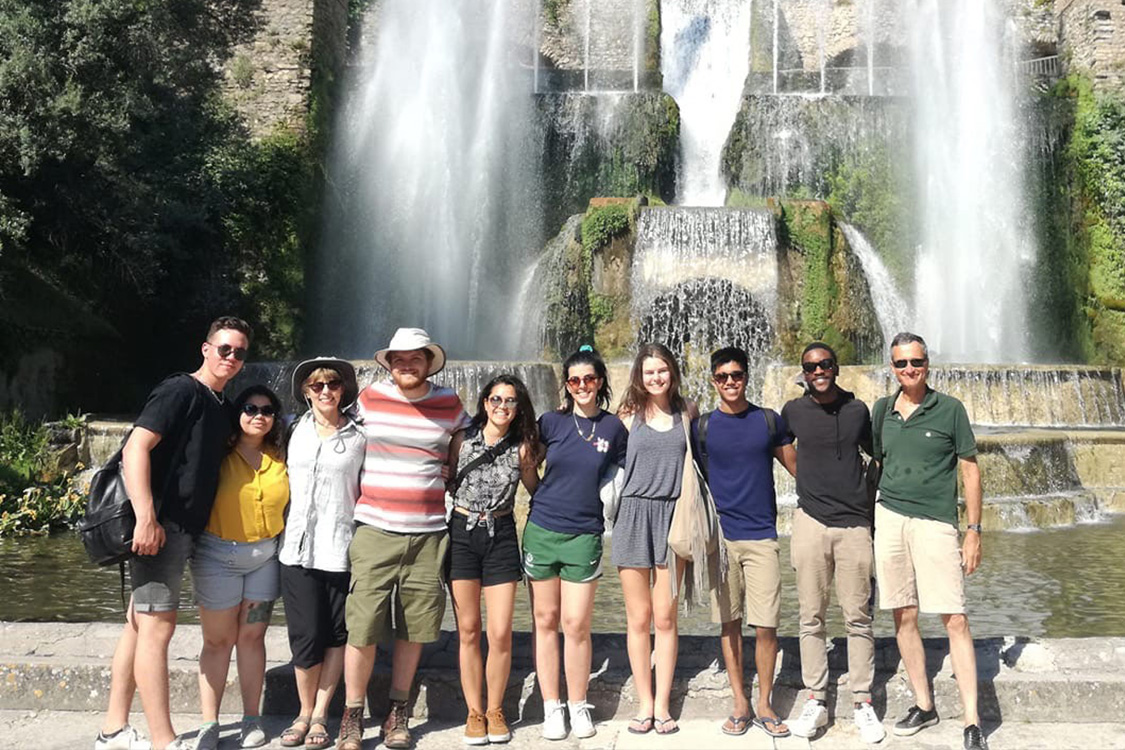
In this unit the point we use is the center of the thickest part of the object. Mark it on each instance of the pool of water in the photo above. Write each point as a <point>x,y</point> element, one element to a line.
<point>1064,582</point>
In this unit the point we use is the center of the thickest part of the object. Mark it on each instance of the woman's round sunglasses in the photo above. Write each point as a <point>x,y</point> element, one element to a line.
<point>253,410</point>
<point>332,385</point>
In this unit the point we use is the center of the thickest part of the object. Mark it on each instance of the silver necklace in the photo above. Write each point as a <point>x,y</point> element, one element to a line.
<point>594,428</point>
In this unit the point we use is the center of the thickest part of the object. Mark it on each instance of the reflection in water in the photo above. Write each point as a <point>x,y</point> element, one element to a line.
<point>1057,583</point>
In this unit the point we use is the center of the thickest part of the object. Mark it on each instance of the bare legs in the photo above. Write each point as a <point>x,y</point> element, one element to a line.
<point>500,602</point>
<point>765,660</point>
<point>645,606</point>
<point>961,654</point>
<point>140,664</point>
<point>317,684</point>
<point>555,602</point>
<point>359,661</point>
<point>223,629</point>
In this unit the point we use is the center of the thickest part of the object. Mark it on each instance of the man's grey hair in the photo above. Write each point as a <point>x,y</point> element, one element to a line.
<point>904,338</point>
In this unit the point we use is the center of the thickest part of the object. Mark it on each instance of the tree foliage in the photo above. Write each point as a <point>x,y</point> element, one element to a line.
<point>126,182</point>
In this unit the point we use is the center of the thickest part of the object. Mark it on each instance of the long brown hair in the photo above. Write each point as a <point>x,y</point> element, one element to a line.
<point>523,428</point>
<point>636,397</point>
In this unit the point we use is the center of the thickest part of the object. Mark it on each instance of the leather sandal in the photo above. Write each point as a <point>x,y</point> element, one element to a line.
<point>318,738</point>
<point>294,736</point>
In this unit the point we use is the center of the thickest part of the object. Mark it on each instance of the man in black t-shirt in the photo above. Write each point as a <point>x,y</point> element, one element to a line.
<point>171,469</point>
<point>832,537</point>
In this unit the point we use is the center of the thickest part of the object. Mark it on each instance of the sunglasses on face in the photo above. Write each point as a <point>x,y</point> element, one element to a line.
<point>320,385</point>
<point>575,381</point>
<point>253,410</point>
<point>721,377</point>
<point>901,363</point>
<point>497,401</point>
<point>226,350</point>
<point>824,364</point>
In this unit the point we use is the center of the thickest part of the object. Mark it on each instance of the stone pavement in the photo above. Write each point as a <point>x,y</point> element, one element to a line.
<point>75,730</point>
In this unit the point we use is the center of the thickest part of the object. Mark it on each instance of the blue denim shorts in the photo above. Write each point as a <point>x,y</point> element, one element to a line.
<point>227,573</point>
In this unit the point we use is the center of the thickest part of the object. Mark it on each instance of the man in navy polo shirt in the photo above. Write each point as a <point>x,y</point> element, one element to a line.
<point>738,443</point>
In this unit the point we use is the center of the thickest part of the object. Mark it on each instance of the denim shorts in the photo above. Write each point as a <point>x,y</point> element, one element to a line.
<point>156,579</point>
<point>227,573</point>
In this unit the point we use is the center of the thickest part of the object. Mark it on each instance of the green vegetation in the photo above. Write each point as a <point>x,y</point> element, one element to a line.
<point>873,195</point>
<point>603,223</point>
<point>1085,269</point>
<point>129,187</point>
<point>553,10</point>
<point>808,226</point>
<point>34,497</point>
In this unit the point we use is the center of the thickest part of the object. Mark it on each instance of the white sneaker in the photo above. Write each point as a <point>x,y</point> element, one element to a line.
<point>179,744</point>
<point>870,728</point>
<point>581,723</point>
<point>813,716</point>
<point>252,733</point>
<point>554,720</point>
<point>127,738</point>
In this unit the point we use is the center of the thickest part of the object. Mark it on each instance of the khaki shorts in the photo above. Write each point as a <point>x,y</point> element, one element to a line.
<point>917,563</point>
<point>397,575</point>
<point>753,580</point>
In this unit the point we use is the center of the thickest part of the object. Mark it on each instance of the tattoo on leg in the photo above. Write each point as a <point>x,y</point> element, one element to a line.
<point>259,612</point>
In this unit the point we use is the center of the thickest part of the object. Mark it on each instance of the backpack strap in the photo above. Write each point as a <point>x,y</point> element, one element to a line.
<point>771,424</point>
<point>878,417</point>
<point>701,459</point>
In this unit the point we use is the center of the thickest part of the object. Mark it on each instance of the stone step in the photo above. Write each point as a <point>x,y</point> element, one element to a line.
<point>61,666</point>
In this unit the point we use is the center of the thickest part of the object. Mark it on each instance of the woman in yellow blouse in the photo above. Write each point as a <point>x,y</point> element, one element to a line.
<point>234,567</point>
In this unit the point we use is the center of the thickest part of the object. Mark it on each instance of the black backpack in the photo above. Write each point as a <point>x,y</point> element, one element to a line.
<point>107,529</point>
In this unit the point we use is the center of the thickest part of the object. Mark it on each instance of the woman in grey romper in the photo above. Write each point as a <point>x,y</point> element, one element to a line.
<point>654,412</point>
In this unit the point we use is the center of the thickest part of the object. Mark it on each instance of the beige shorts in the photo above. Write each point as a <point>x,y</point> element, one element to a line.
<point>753,581</point>
<point>918,563</point>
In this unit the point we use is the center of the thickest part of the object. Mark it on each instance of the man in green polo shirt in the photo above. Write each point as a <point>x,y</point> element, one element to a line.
<point>922,437</point>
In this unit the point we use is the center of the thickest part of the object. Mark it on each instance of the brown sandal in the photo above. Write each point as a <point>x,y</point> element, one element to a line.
<point>318,738</point>
<point>294,737</point>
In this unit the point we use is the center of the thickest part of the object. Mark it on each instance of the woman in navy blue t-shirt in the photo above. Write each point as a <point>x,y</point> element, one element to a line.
<point>562,541</point>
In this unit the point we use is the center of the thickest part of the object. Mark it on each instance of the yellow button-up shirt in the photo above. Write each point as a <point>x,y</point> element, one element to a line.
<point>249,505</point>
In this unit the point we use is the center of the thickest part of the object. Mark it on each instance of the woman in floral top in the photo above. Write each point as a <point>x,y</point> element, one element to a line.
<point>498,450</point>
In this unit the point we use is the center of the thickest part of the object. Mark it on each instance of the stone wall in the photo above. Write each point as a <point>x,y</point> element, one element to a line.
<point>270,80</point>
<point>1092,38</point>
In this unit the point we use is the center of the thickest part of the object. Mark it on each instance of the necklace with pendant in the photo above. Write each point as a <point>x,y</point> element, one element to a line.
<point>594,428</point>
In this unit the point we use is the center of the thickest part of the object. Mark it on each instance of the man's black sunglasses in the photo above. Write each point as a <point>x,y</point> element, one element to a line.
<point>901,363</point>
<point>824,364</point>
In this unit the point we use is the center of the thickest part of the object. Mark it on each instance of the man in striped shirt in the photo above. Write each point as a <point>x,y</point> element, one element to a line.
<point>400,542</point>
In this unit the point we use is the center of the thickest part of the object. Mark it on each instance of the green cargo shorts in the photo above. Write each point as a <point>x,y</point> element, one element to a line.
<point>576,558</point>
<point>400,576</point>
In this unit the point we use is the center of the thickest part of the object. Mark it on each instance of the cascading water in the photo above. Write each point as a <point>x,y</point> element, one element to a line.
<point>976,244</point>
<point>705,57</point>
<point>890,308</point>
<point>704,278</point>
<point>434,184</point>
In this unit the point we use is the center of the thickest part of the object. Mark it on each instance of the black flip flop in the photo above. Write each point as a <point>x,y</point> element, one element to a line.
<point>736,722</point>
<point>765,722</point>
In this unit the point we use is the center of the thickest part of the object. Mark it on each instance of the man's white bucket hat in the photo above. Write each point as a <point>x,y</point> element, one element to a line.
<point>412,339</point>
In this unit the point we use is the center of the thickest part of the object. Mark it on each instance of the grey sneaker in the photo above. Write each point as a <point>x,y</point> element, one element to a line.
<point>179,744</point>
<point>208,738</point>
<point>127,738</point>
<point>252,733</point>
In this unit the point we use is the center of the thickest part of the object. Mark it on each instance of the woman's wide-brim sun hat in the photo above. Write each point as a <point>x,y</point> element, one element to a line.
<point>408,340</point>
<point>342,366</point>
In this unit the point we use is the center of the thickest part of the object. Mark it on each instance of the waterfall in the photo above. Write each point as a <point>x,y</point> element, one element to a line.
<point>704,278</point>
<point>890,308</point>
<point>976,237</point>
<point>705,57</point>
<point>433,201</point>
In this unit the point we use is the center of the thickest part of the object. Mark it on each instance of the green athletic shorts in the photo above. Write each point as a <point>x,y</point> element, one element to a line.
<point>573,557</point>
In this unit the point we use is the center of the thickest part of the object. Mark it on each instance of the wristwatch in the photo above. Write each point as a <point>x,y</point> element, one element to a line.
<point>973,527</point>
